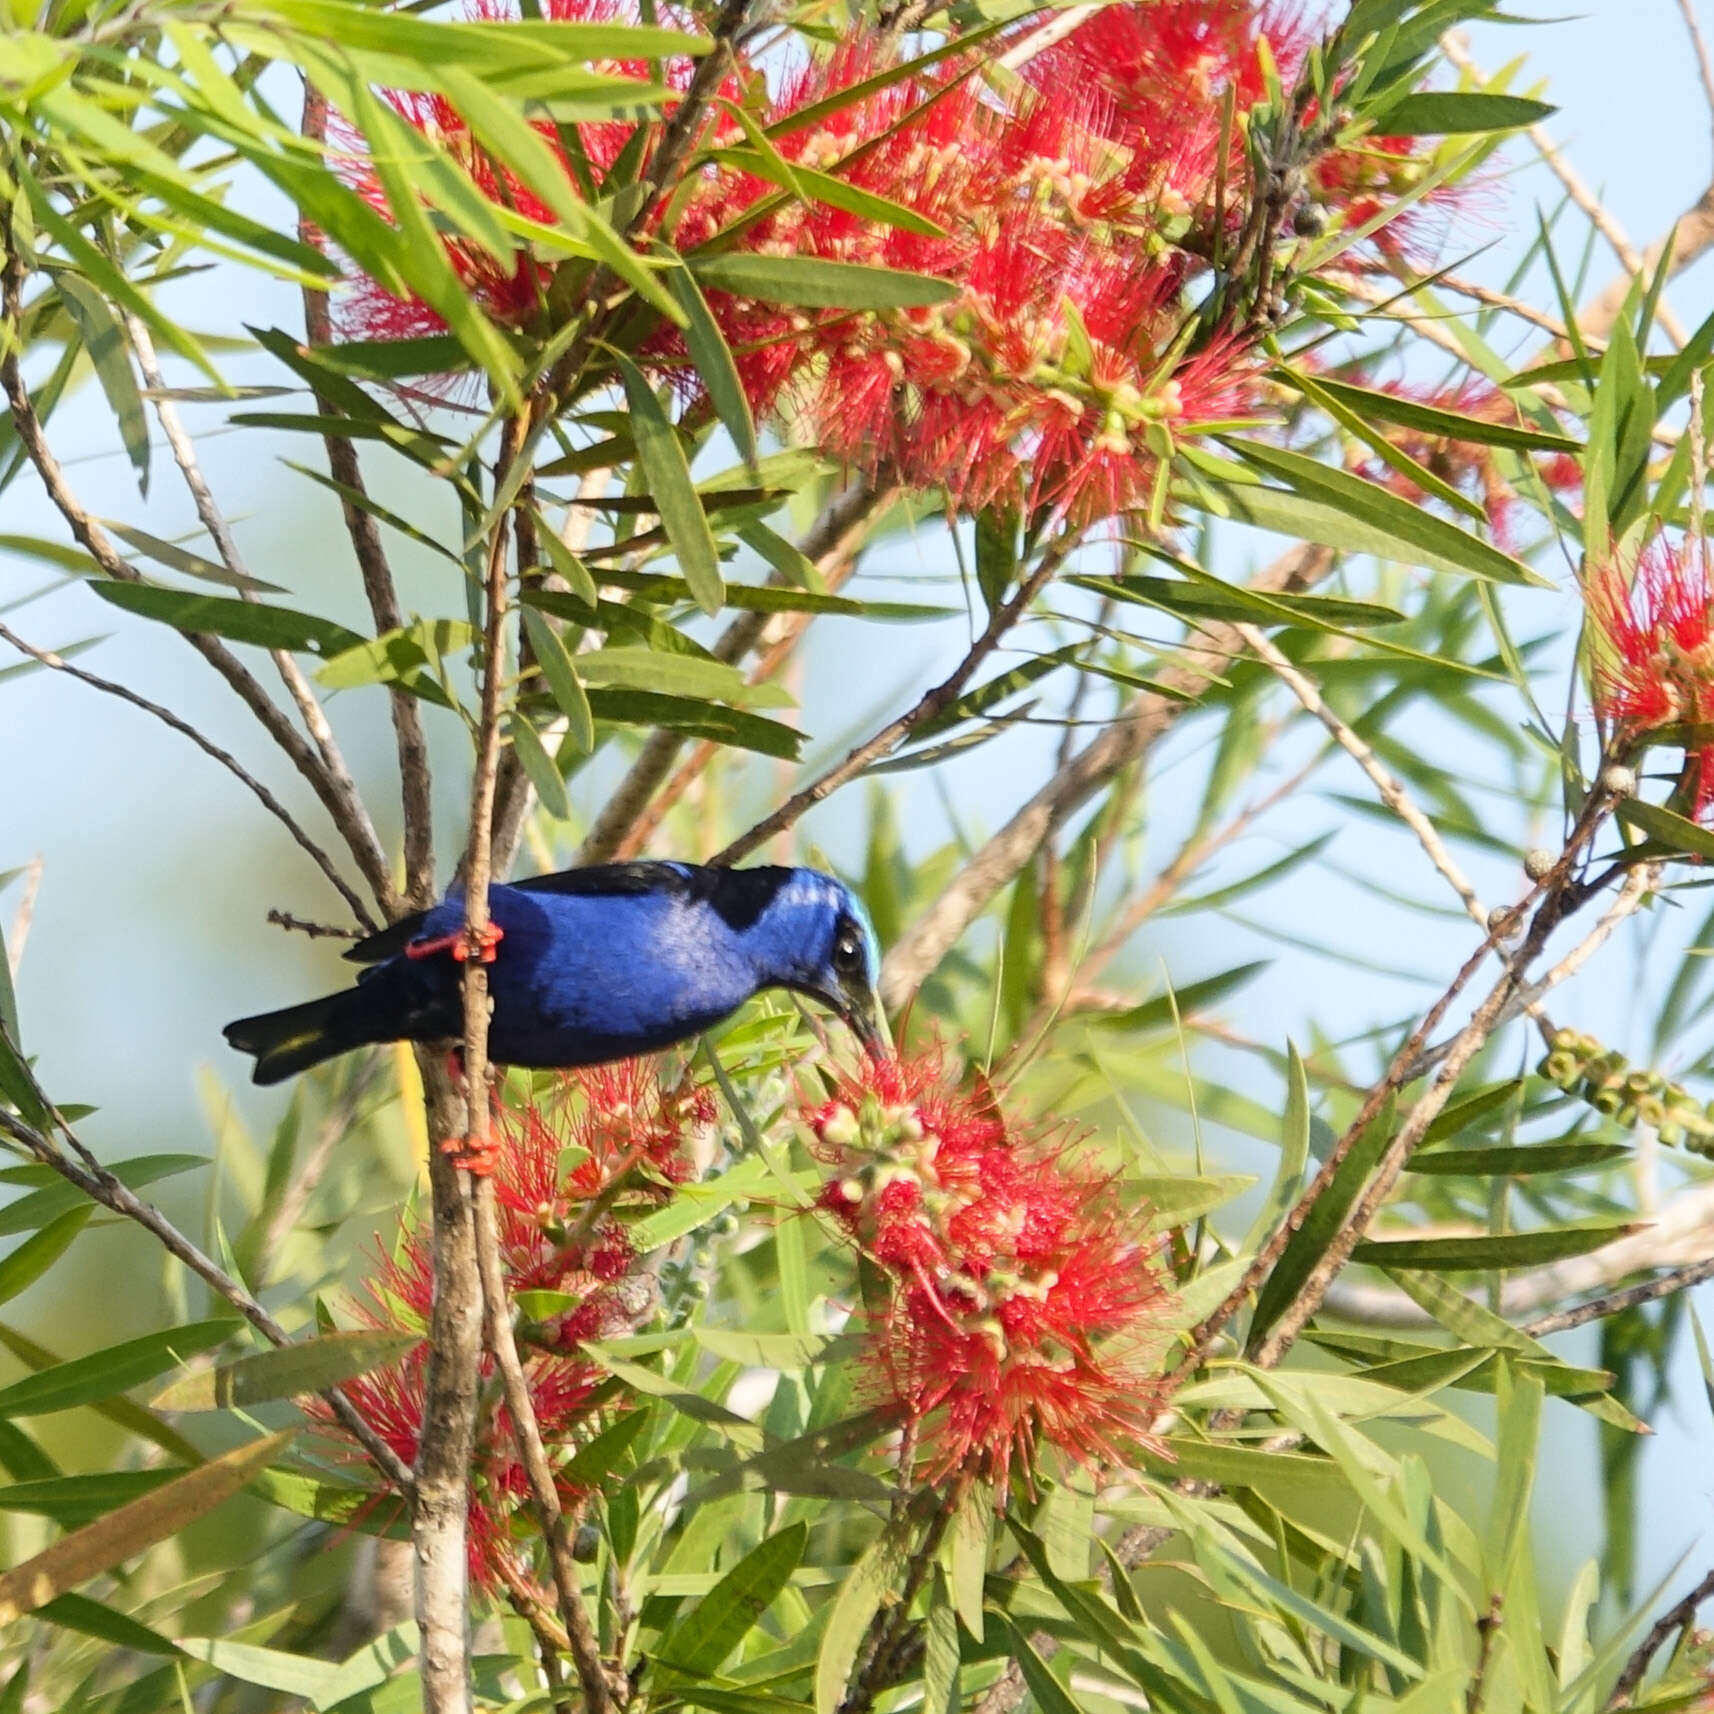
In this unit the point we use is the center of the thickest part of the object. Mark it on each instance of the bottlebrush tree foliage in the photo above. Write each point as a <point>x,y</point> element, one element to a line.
<point>767,1378</point>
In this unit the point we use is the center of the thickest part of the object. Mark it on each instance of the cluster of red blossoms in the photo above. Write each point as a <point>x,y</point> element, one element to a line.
<point>1077,215</point>
<point>1025,1300</point>
<point>610,1129</point>
<point>1469,466</point>
<point>1651,623</point>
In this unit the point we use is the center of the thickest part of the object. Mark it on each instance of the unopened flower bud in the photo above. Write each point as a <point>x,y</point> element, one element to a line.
<point>1538,864</point>
<point>1621,782</point>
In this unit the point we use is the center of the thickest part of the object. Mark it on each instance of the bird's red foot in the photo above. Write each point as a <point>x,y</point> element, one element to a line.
<point>464,944</point>
<point>477,1156</point>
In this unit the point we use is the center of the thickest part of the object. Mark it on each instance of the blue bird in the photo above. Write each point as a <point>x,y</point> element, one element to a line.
<point>592,965</point>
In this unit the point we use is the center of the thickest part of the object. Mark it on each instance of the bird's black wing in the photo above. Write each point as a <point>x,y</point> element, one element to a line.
<point>389,942</point>
<point>737,896</point>
<point>604,880</point>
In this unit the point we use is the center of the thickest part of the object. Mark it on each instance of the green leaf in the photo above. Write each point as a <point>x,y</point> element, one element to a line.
<point>238,621</point>
<point>735,726</point>
<point>311,1366</point>
<point>713,359</point>
<point>1517,1411</point>
<point>969,1537</point>
<point>105,1374</point>
<point>1503,1162</point>
<point>1051,1697</point>
<point>271,1669</point>
<point>700,1642</point>
<point>591,1464</point>
<point>55,1197</point>
<point>1453,112</point>
<point>540,769</point>
<point>32,1258</point>
<point>1371,404</point>
<point>1497,1250</point>
<point>655,670</point>
<point>191,564</point>
<point>810,283</point>
<point>673,492</point>
<point>104,342</point>
<point>1323,1222</point>
<point>95,1619</point>
<point>1163,1012</point>
<point>123,1534</point>
<point>1295,1128</point>
<point>1344,512</point>
<point>73,1501</point>
<point>858,1600</point>
<point>1674,832</point>
<point>1212,598</point>
<point>560,672</point>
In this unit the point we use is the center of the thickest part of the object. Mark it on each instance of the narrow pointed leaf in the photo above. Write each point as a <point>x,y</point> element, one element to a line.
<point>670,486</point>
<point>123,1534</point>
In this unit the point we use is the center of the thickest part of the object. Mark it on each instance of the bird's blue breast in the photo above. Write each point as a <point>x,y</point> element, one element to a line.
<point>581,978</point>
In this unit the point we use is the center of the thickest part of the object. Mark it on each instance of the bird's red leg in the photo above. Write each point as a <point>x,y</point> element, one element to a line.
<point>476,1155</point>
<point>482,945</point>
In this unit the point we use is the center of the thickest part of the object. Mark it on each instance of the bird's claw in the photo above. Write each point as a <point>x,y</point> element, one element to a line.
<point>477,1156</point>
<point>482,944</point>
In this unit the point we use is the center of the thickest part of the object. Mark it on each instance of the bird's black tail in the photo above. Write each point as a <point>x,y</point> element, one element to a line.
<point>292,1040</point>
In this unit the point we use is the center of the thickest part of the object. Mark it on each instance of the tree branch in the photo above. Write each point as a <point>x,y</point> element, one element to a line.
<point>95,540</point>
<point>833,540</point>
<point>97,1183</point>
<point>599,1692</point>
<point>166,716</point>
<point>1147,718</point>
<point>1675,1618</point>
<point>415,780</point>
<point>355,815</point>
<point>931,703</point>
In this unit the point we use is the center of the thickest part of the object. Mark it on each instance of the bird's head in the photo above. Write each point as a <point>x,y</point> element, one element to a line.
<point>814,937</point>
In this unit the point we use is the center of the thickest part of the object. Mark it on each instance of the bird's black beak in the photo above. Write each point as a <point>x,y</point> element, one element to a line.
<point>860,1008</point>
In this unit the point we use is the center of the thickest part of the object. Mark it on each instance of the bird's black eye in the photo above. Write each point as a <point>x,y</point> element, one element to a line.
<point>848,954</point>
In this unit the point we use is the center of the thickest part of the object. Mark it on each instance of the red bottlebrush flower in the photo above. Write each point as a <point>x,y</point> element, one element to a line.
<point>1467,465</point>
<point>607,1130</point>
<point>1024,1296</point>
<point>1652,649</point>
<point>511,288</point>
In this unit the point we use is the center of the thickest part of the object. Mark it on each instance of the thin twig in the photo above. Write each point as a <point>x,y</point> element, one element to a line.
<point>1676,1618</point>
<point>1617,1302</point>
<point>1635,265</point>
<point>441,1523</point>
<point>233,766</point>
<point>94,539</point>
<point>1463,1049</point>
<point>894,733</point>
<point>831,542</point>
<point>581,1641</point>
<point>1146,719</point>
<point>1386,782</point>
<point>97,1183</point>
<point>415,780</point>
<point>354,820</point>
<point>1704,65</point>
